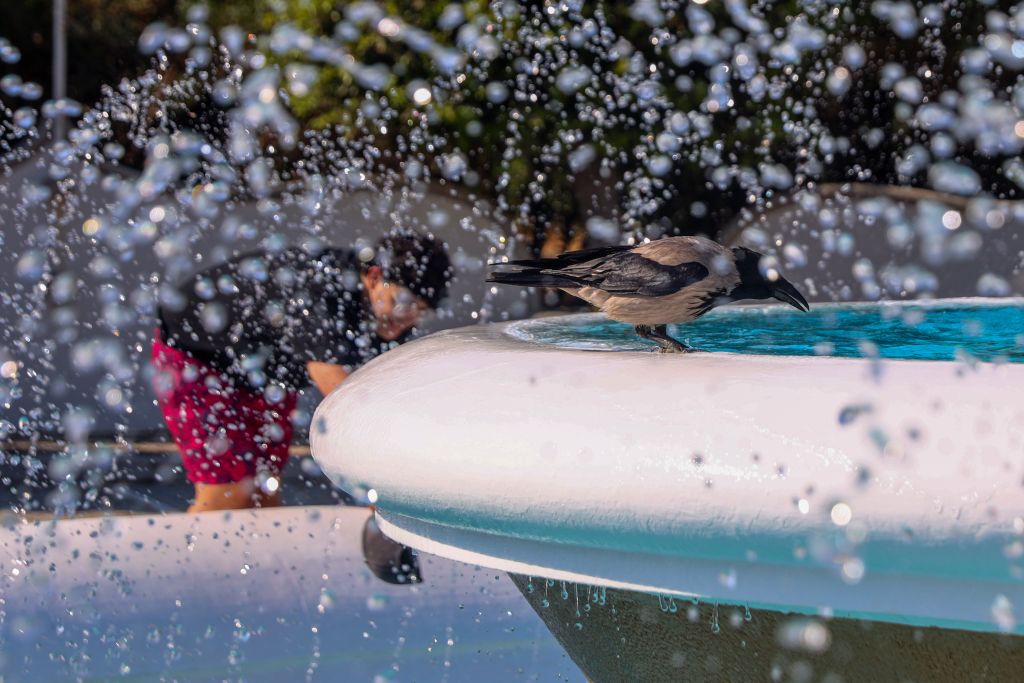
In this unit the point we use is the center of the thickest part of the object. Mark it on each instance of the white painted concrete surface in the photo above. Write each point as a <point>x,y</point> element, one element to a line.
<point>722,476</point>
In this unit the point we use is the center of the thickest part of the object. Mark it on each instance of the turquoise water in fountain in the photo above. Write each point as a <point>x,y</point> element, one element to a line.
<point>950,329</point>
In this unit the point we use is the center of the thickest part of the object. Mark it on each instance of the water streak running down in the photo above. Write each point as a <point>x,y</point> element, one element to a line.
<point>986,330</point>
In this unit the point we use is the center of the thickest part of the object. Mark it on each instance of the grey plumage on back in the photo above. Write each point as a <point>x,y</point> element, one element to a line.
<point>672,280</point>
<point>632,274</point>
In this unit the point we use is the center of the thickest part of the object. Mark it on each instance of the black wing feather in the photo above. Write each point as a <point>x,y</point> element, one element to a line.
<point>531,277</point>
<point>630,274</point>
<point>615,270</point>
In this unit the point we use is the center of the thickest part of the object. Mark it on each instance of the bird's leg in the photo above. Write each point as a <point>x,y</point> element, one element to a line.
<point>668,344</point>
<point>659,335</point>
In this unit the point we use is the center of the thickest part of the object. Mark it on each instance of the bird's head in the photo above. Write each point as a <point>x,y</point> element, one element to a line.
<point>757,284</point>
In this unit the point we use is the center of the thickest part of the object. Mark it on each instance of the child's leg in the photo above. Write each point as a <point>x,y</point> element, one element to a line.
<point>216,429</point>
<point>267,416</point>
<point>234,496</point>
<point>237,495</point>
<point>257,435</point>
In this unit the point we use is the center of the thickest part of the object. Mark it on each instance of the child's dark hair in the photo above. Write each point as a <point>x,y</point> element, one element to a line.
<point>416,261</point>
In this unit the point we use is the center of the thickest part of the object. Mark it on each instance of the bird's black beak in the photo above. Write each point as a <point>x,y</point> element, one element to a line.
<point>784,291</point>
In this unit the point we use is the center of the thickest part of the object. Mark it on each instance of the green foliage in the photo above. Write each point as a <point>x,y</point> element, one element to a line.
<point>518,150</point>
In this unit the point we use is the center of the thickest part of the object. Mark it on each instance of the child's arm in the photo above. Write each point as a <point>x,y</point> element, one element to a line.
<point>326,376</point>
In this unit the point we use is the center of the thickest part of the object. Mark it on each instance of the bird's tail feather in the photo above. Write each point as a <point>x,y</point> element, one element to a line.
<point>532,278</point>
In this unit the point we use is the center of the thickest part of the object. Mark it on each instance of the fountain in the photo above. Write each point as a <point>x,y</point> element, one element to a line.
<point>809,496</point>
<point>850,476</point>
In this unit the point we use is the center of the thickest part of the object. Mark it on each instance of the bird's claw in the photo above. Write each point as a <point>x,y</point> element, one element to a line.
<point>674,349</point>
<point>659,335</point>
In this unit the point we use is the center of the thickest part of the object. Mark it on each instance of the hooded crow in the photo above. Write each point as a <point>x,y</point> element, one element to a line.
<point>671,280</point>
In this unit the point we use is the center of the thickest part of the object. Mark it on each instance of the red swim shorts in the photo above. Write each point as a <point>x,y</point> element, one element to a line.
<point>224,433</point>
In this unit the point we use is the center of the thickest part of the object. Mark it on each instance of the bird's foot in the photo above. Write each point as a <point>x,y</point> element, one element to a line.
<point>677,348</point>
<point>659,335</point>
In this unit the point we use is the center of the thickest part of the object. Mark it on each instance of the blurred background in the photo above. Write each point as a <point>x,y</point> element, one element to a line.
<point>872,149</point>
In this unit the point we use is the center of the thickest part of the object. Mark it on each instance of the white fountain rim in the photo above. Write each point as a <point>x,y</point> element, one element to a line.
<point>473,431</point>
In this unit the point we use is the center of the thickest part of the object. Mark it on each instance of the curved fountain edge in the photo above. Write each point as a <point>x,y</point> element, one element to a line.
<point>446,483</point>
<point>804,590</point>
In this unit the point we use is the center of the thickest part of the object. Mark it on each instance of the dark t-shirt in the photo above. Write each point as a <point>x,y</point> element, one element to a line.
<point>260,318</point>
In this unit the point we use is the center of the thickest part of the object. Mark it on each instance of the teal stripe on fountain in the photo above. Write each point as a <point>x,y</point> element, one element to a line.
<point>892,550</point>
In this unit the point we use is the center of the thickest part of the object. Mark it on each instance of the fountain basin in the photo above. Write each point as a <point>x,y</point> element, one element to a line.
<point>257,595</point>
<point>876,488</point>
